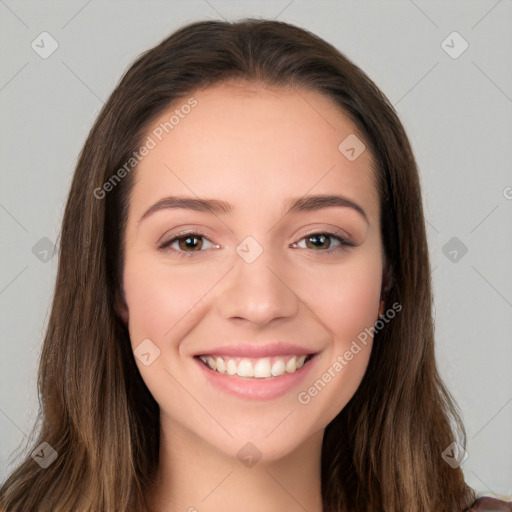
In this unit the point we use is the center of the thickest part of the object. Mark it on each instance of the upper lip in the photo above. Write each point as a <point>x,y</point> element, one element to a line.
<point>251,350</point>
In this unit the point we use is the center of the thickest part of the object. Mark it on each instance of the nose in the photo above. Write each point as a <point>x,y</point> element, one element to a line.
<point>258,292</point>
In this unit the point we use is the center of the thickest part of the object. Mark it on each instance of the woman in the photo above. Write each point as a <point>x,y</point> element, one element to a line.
<point>204,350</point>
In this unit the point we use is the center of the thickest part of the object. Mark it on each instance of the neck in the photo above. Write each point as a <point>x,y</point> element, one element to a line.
<point>194,476</point>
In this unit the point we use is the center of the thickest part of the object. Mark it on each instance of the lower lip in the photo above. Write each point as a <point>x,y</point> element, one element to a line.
<point>260,389</point>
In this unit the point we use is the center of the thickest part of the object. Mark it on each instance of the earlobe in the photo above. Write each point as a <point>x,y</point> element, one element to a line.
<point>387,284</point>
<point>381,308</point>
<point>121,308</point>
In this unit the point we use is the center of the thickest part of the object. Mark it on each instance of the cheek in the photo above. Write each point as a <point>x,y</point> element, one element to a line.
<point>158,296</point>
<point>349,308</point>
<point>356,302</point>
<point>346,300</point>
<point>163,303</point>
<point>346,297</point>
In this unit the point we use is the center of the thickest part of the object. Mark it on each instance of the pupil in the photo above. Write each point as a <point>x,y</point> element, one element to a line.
<point>187,240</point>
<point>317,237</point>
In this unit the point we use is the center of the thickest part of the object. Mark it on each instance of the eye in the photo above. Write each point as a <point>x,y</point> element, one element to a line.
<point>322,242</point>
<point>189,243</point>
<point>186,241</point>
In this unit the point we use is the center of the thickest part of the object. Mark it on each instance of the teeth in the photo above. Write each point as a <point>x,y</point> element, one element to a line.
<point>262,368</point>
<point>245,368</point>
<point>291,365</point>
<point>231,367</point>
<point>278,368</point>
<point>259,368</point>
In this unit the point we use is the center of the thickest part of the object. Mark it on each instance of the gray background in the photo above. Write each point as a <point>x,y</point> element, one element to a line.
<point>457,112</point>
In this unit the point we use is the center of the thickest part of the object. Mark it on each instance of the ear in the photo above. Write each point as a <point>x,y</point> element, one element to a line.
<point>381,307</point>
<point>387,284</point>
<point>120,307</point>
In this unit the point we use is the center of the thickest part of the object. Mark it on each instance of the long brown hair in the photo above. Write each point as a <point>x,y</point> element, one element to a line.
<point>383,451</point>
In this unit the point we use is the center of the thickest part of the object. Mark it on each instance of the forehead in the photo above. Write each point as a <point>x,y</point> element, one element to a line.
<point>246,142</point>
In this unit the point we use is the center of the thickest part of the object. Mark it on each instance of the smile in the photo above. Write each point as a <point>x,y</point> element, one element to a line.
<point>261,378</point>
<point>258,368</point>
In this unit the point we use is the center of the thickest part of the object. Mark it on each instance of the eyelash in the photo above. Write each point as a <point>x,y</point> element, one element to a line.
<point>343,242</point>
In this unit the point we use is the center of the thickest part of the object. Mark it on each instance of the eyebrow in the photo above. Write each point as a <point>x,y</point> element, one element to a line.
<point>218,207</point>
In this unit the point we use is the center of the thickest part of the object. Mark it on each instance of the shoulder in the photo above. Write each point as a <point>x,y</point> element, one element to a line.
<point>488,504</point>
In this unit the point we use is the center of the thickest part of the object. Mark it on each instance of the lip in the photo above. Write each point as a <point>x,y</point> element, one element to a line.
<point>256,389</point>
<point>247,350</point>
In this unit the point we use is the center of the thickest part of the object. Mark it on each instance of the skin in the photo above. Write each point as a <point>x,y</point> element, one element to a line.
<point>254,147</point>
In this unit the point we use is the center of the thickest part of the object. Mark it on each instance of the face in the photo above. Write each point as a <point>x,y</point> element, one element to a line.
<point>259,279</point>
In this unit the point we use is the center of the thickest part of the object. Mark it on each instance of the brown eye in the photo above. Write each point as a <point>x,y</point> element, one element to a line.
<point>187,243</point>
<point>325,242</point>
<point>319,241</point>
<point>190,242</point>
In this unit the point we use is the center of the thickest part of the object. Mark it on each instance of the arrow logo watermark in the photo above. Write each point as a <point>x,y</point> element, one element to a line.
<point>249,455</point>
<point>249,249</point>
<point>351,147</point>
<point>44,455</point>
<point>454,249</point>
<point>455,455</point>
<point>146,352</point>
<point>44,45</point>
